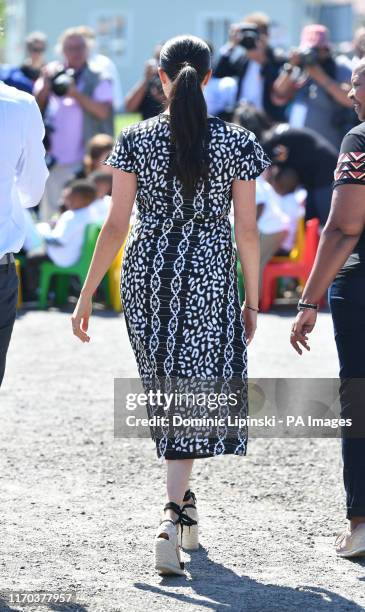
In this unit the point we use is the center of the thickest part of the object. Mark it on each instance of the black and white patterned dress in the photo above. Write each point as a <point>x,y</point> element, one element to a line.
<point>179,285</point>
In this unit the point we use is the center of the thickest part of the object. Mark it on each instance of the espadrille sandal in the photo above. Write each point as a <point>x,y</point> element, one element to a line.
<point>167,549</point>
<point>189,518</point>
<point>351,544</point>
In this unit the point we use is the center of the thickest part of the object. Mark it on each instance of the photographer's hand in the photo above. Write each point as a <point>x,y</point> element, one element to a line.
<point>338,91</point>
<point>234,35</point>
<point>150,69</point>
<point>42,88</point>
<point>295,57</point>
<point>318,74</point>
<point>100,110</point>
<point>135,97</point>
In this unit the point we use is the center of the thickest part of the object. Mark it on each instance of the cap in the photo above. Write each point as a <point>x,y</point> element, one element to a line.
<point>315,35</point>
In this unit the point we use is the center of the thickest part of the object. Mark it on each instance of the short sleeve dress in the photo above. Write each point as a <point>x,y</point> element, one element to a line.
<point>179,288</point>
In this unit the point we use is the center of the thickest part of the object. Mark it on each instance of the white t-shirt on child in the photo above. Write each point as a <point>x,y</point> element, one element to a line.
<point>272,219</point>
<point>70,232</point>
<point>293,205</point>
<point>100,208</point>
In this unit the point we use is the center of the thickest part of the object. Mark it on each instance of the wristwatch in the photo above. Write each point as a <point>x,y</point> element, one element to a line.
<point>306,305</point>
<point>288,68</point>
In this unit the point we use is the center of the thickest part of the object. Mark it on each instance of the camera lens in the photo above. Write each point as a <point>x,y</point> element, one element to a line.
<point>61,82</point>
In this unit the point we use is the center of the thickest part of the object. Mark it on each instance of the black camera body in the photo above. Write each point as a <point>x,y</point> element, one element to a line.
<point>248,36</point>
<point>308,57</point>
<point>61,82</point>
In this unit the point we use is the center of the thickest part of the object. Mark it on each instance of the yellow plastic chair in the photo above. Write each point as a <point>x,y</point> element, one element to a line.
<point>20,289</point>
<point>298,248</point>
<point>113,278</point>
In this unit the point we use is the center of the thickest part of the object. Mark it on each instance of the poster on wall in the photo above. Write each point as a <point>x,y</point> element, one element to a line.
<point>113,32</point>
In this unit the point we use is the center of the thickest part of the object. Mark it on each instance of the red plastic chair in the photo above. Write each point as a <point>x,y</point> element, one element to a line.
<point>299,269</point>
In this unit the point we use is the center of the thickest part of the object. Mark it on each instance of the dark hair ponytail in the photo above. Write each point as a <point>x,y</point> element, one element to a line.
<point>186,61</point>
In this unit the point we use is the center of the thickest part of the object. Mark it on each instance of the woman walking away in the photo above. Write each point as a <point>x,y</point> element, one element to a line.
<point>340,265</point>
<point>179,284</point>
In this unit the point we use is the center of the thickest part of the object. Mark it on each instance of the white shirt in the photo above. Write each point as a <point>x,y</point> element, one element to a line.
<point>272,219</point>
<point>23,171</point>
<point>220,95</point>
<point>252,86</point>
<point>100,208</point>
<point>104,64</point>
<point>293,205</point>
<point>70,232</point>
<point>33,237</point>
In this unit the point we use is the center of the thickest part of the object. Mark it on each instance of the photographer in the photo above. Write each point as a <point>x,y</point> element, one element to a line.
<point>77,103</point>
<point>147,97</point>
<point>359,46</point>
<point>23,77</point>
<point>248,57</point>
<point>318,83</point>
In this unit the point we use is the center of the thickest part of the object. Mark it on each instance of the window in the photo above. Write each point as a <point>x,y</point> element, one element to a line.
<point>113,34</point>
<point>214,27</point>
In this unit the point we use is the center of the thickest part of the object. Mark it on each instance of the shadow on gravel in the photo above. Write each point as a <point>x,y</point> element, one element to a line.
<point>225,591</point>
<point>4,607</point>
<point>62,607</point>
<point>74,607</point>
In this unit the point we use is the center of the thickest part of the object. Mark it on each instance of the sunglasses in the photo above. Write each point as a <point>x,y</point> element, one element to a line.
<point>37,49</point>
<point>71,48</point>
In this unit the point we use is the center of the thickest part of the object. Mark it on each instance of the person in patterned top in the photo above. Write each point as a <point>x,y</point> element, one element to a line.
<point>340,267</point>
<point>179,290</point>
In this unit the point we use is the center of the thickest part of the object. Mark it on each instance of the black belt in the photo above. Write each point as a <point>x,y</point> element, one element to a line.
<point>6,260</point>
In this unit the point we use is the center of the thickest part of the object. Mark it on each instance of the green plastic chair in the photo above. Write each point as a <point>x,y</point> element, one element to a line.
<point>80,269</point>
<point>240,281</point>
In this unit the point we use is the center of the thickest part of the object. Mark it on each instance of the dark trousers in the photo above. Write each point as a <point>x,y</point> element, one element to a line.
<point>346,299</point>
<point>31,275</point>
<point>8,301</point>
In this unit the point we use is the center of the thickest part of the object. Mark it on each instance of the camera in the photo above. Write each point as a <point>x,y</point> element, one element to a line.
<point>308,57</point>
<point>61,82</point>
<point>156,86</point>
<point>248,36</point>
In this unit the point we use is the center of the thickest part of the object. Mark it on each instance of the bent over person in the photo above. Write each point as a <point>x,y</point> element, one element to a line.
<point>23,174</point>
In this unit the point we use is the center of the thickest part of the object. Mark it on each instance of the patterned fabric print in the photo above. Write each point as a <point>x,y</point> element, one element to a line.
<point>351,166</point>
<point>179,283</point>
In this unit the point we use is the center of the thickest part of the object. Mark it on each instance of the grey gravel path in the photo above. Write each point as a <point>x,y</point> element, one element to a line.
<point>79,508</point>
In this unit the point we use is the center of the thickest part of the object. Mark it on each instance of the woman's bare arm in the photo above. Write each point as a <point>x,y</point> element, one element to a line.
<point>114,230</point>
<point>247,236</point>
<point>342,231</point>
<point>111,238</point>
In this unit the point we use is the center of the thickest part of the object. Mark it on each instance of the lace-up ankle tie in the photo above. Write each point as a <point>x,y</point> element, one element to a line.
<point>183,518</point>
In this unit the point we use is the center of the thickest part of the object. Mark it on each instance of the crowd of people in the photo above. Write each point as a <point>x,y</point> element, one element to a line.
<point>295,102</point>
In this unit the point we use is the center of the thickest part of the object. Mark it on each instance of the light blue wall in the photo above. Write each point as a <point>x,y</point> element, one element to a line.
<point>154,20</point>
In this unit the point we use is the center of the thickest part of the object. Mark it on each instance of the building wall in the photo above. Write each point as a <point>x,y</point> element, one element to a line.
<point>146,23</point>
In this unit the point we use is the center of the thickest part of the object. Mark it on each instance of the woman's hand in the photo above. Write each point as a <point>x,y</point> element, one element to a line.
<point>250,319</point>
<point>303,325</point>
<point>80,317</point>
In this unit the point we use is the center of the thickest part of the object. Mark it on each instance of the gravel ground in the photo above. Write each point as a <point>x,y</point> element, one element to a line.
<point>79,508</point>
